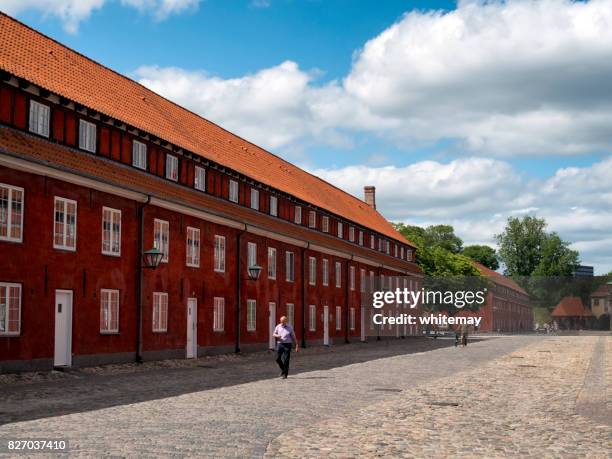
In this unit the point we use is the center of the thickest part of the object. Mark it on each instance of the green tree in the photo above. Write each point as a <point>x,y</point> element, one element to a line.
<point>520,245</point>
<point>556,258</point>
<point>483,254</point>
<point>443,236</point>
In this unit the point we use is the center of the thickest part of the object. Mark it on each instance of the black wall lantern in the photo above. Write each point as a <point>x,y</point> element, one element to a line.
<point>152,258</point>
<point>254,272</point>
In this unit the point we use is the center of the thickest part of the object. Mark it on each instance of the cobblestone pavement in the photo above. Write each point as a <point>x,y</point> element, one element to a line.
<point>236,407</point>
<point>520,405</point>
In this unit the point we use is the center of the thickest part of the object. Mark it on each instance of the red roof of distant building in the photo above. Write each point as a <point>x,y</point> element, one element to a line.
<point>571,306</point>
<point>28,54</point>
<point>603,290</point>
<point>499,278</point>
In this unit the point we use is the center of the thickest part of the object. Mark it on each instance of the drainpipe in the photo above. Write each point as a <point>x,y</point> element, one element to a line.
<point>140,279</point>
<point>346,304</point>
<point>238,286</point>
<point>303,263</point>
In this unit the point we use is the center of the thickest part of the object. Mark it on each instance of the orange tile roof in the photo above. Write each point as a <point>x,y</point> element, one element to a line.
<point>603,290</point>
<point>498,278</point>
<point>35,149</point>
<point>571,306</point>
<point>28,54</point>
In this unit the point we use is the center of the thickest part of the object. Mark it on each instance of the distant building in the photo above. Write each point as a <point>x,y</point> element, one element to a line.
<point>601,300</point>
<point>571,314</point>
<point>584,271</point>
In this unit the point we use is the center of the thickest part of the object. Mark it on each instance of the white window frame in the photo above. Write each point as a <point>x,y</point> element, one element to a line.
<point>362,280</point>
<point>338,275</point>
<point>218,314</point>
<point>312,318</point>
<point>372,241</point>
<point>234,190</point>
<point>338,317</point>
<point>87,136</point>
<point>199,178</point>
<point>254,199</point>
<point>351,233</point>
<point>192,244</point>
<point>340,230</point>
<point>360,237</point>
<point>8,218</point>
<point>271,263</point>
<point>312,219</point>
<point>251,315</point>
<point>395,250</point>
<point>312,271</point>
<point>40,114</point>
<point>297,215</point>
<point>325,224</point>
<point>402,252</point>
<point>172,166</point>
<point>325,272</point>
<point>65,203</point>
<point>8,311</point>
<point>352,277</point>
<point>371,289</point>
<point>114,240</point>
<point>139,155</point>
<point>290,313</point>
<point>251,254</point>
<point>161,228</point>
<point>352,318</point>
<point>159,318</point>
<point>109,311</point>
<point>219,254</point>
<point>274,206</point>
<point>289,266</point>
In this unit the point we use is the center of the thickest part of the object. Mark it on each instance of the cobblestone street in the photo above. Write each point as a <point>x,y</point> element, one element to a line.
<point>509,396</point>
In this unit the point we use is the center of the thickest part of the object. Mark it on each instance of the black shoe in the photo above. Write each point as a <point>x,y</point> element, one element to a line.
<point>284,376</point>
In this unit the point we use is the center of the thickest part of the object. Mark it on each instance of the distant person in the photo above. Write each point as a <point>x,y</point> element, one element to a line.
<point>285,338</point>
<point>464,335</point>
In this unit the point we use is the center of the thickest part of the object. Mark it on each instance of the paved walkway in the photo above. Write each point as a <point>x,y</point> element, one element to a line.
<point>228,408</point>
<point>521,405</point>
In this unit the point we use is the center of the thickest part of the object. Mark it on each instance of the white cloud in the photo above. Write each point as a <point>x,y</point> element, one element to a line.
<point>476,195</point>
<point>73,12</point>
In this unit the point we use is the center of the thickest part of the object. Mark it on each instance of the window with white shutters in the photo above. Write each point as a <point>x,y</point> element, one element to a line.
<point>218,314</point>
<point>340,230</point>
<point>271,263</point>
<point>219,254</point>
<point>251,254</point>
<point>10,309</point>
<point>193,247</point>
<point>87,136</point>
<point>161,238</point>
<point>11,213</point>
<point>352,233</point>
<point>172,167</point>
<point>289,266</point>
<point>199,180</point>
<point>312,270</point>
<point>251,315</point>
<point>233,190</point>
<point>297,217</point>
<point>109,311</point>
<point>325,269</point>
<point>312,317</point>
<point>39,118</point>
<point>139,155</point>
<point>254,199</point>
<point>312,219</point>
<point>290,313</point>
<point>325,224</point>
<point>64,225</point>
<point>273,206</point>
<point>160,312</point>
<point>111,231</point>
<point>360,237</point>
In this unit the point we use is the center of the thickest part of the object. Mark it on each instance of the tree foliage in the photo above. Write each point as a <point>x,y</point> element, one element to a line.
<point>483,254</point>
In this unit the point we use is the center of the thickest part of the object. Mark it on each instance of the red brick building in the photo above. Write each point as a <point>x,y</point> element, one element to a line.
<point>95,169</point>
<point>507,307</point>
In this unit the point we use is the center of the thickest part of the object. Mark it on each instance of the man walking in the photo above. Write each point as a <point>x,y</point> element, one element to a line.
<point>285,337</point>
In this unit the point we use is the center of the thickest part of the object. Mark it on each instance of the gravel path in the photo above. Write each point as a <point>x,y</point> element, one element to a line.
<point>231,408</point>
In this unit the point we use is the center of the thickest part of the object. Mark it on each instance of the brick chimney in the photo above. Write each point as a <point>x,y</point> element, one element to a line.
<point>369,193</point>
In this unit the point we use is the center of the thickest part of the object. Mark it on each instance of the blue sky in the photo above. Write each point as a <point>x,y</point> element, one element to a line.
<point>461,113</point>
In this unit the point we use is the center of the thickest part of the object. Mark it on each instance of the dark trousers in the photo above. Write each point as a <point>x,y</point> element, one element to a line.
<point>283,355</point>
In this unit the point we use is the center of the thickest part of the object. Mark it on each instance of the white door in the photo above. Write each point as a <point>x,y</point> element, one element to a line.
<point>326,325</point>
<point>363,324</point>
<point>272,325</point>
<point>192,328</point>
<point>63,328</point>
